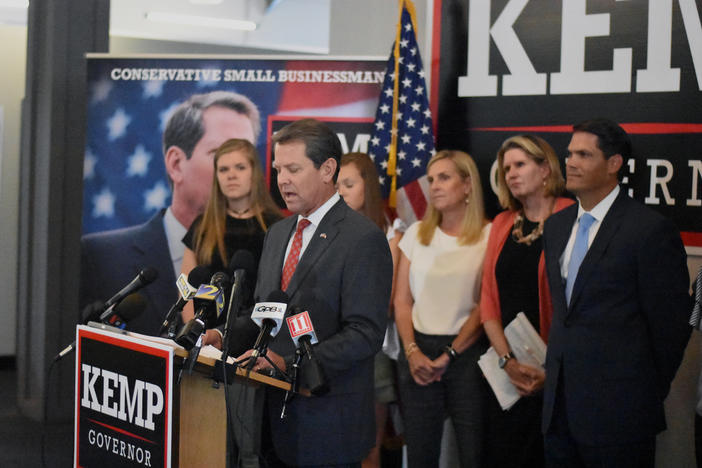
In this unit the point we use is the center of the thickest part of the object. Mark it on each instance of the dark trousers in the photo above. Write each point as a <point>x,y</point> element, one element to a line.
<point>245,414</point>
<point>698,439</point>
<point>269,459</point>
<point>563,451</point>
<point>460,395</point>
<point>513,438</point>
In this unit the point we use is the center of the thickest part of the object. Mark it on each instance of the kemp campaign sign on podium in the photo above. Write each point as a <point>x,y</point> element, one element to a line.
<point>124,389</point>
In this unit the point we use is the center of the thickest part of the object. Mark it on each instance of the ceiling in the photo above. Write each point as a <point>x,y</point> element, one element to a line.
<point>284,25</point>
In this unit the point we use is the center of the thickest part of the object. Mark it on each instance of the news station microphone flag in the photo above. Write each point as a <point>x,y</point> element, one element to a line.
<point>402,141</point>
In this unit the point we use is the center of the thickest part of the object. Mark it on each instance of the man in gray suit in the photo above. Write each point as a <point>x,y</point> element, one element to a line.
<point>343,280</point>
<point>109,260</point>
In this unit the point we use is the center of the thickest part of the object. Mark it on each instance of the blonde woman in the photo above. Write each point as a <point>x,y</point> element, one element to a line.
<point>237,215</point>
<point>529,185</point>
<point>436,311</point>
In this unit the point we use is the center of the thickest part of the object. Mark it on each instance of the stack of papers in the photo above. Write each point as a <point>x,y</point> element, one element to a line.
<point>528,348</point>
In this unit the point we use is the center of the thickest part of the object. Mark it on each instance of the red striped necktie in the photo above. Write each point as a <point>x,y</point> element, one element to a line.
<point>294,254</point>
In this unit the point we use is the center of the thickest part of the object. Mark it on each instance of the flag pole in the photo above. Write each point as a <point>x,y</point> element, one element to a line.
<point>392,154</point>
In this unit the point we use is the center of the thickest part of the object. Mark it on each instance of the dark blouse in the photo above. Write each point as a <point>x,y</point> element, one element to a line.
<point>239,234</point>
<point>517,274</point>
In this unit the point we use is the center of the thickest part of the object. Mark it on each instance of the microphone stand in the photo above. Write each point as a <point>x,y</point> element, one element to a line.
<point>189,363</point>
<point>251,360</point>
<point>294,384</point>
<point>172,329</point>
<point>169,322</point>
<point>235,299</point>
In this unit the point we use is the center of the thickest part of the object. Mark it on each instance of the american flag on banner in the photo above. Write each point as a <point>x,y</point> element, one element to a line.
<point>402,141</point>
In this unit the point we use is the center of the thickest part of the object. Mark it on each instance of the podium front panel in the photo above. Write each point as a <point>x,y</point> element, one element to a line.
<point>124,401</point>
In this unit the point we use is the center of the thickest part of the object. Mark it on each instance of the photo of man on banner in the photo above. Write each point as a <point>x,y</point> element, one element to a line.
<point>110,259</point>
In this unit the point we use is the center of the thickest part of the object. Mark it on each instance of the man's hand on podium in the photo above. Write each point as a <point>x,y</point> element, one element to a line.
<point>262,363</point>
<point>212,337</point>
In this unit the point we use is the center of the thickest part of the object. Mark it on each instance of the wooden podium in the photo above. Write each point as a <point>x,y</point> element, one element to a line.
<point>130,408</point>
<point>201,436</point>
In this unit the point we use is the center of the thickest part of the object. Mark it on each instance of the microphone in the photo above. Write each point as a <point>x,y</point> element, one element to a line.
<point>303,335</point>
<point>146,276</point>
<point>198,275</point>
<point>218,284</point>
<point>207,296</point>
<point>119,315</point>
<point>243,265</point>
<point>92,312</point>
<point>269,317</point>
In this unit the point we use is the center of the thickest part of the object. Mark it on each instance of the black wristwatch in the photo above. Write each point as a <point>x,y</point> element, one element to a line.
<point>502,362</point>
<point>452,354</point>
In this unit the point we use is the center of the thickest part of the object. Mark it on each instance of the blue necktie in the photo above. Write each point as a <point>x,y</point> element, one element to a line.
<point>579,251</point>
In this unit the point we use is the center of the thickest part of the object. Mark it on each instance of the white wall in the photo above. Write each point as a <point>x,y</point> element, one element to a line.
<point>357,28</point>
<point>13,43</point>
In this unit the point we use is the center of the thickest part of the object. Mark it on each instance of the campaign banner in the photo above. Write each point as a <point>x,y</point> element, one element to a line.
<point>131,100</point>
<point>505,67</point>
<point>124,401</point>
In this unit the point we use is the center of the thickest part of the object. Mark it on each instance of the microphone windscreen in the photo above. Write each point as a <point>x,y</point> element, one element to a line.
<point>220,279</point>
<point>91,312</point>
<point>131,307</point>
<point>243,260</point>
<point>278,296</point>
<point>148,275</point>
<point>199,275</point>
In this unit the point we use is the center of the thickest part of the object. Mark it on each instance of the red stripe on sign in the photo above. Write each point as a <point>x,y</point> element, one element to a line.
<point>661,128</point>
<point>537,128</point>
<point>416,198</point>
<point>636,128</point>
<point>692,239</point>
<point>121,431</point>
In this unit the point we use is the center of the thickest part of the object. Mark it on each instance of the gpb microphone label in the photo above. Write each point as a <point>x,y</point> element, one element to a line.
<point>269,310</point>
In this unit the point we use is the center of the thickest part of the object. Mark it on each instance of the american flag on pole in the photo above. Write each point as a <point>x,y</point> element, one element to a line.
<point>402,141</point>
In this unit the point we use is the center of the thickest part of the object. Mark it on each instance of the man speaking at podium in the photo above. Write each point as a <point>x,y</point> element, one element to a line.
<point>337,262</point>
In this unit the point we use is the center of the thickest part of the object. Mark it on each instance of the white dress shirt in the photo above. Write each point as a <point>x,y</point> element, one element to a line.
<point>314,218</point>
<point>174,235</point>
